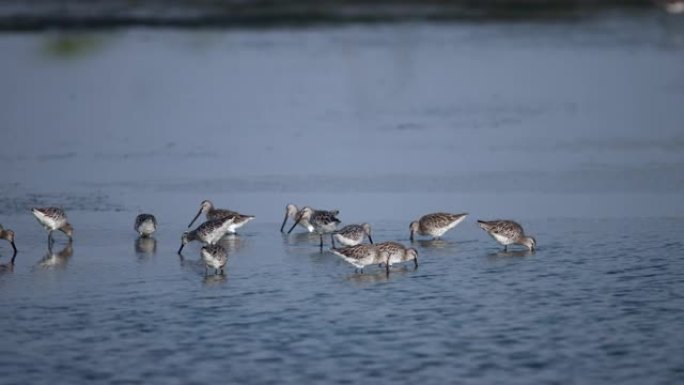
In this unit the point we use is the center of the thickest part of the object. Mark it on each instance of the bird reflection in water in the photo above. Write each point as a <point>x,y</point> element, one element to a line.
<point>9,266</point>
<point>190,264</point>
<point>508,254</point>
<point>380,275</point>
<point>197,266</point>
<point>214,279</point>
<point>57,260</point>
<point>434,243</point>
<point>145,247</point>
<point>232,243</point>
<point>300,238</point>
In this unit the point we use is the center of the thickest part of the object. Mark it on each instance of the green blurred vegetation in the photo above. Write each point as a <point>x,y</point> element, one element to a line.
<point>71,45</point>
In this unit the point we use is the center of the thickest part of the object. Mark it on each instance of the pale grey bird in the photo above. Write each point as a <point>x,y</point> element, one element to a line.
<point>508,232</point>
<point>436,224</point>
<point>214,256</point>
<point>53,218</point>
<point>145,224</point>
<point>323,222</point>
<point>209,232</point>
<point>351,235</point>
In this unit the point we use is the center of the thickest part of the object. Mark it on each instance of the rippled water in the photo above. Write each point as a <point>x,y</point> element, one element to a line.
<point>601,301</point>
<point>572,128</point>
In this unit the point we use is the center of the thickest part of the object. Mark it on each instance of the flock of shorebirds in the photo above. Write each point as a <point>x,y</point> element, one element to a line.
<point>221,222</point>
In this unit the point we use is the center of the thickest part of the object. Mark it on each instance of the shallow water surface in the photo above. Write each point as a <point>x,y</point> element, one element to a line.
<point>600,301</point>
<point>572,128</point>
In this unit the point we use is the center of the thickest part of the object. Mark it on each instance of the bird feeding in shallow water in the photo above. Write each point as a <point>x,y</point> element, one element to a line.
<point>352,235</point>
<point>508,232</point>
<point>361,255</point>
<point>435,224</point>
<point>323,222</point>
<point>209,232</point>
<point>394,252</point>
<point>145,224</point>
<point>52,219</point>
<point>214,256</point>
<point>8,235</point>
<point>213,213</point>
<point>291,211</point>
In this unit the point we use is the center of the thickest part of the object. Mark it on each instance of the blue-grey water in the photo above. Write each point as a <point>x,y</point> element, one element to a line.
<point>573,128</point>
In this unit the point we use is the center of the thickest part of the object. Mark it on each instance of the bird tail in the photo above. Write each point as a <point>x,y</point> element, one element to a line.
<point>484,224</point>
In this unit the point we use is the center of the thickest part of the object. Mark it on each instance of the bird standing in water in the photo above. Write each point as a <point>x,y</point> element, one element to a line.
<point>323,222</point>
<point>53,218</point>
<point>209,232</point>
<point>8,235</point>
<point>145,224</point>
<point>351,235</point>
<point>213,213</point>
<point>214,256</point>
<point>436,224</point>
<point>508,232</point>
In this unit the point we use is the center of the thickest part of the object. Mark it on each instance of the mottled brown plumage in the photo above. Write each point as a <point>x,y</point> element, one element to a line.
<point>213,214</point>
<point>436,224</point>
<point>360,255</point>
<point>395,252</point>
<point>323,222</point>
<point>507,232</point>
<point>53,218</point>
<point>352,235</point>
<point>8,235</point>
<point>214,256</point>
<point>145,224</point>
<point>209,232</point>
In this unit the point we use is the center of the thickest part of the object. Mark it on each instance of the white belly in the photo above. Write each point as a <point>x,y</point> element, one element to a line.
<point>305,224</point>
<point>146,228</point>
<point>234,226</point>
<point>501,239</point>
<point>214,237</point>
<point>440,231</point>
<point>46,221</point>
<point>395,258</point>
<point>347,241</point>
<point>212,262</point>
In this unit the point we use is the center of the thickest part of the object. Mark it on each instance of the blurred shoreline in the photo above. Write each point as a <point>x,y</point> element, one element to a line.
<point>101,14</point>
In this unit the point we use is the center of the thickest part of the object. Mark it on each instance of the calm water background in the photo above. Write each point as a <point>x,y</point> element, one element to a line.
<point>574,128</point>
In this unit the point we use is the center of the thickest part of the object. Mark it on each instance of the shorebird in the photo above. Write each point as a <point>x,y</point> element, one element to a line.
<point>53,219</point>
<point>508,232</point>
<point>291,211</point>
<point>212,213</point>
<point>436,224</point>
<point>9,236</point>
<point>208,232</point>
<point>323,222</point>
<point>394,252</point>
<point>361,255</point>
<point>352,235</point>
<point>214,256</point>
<point>145,224</point>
